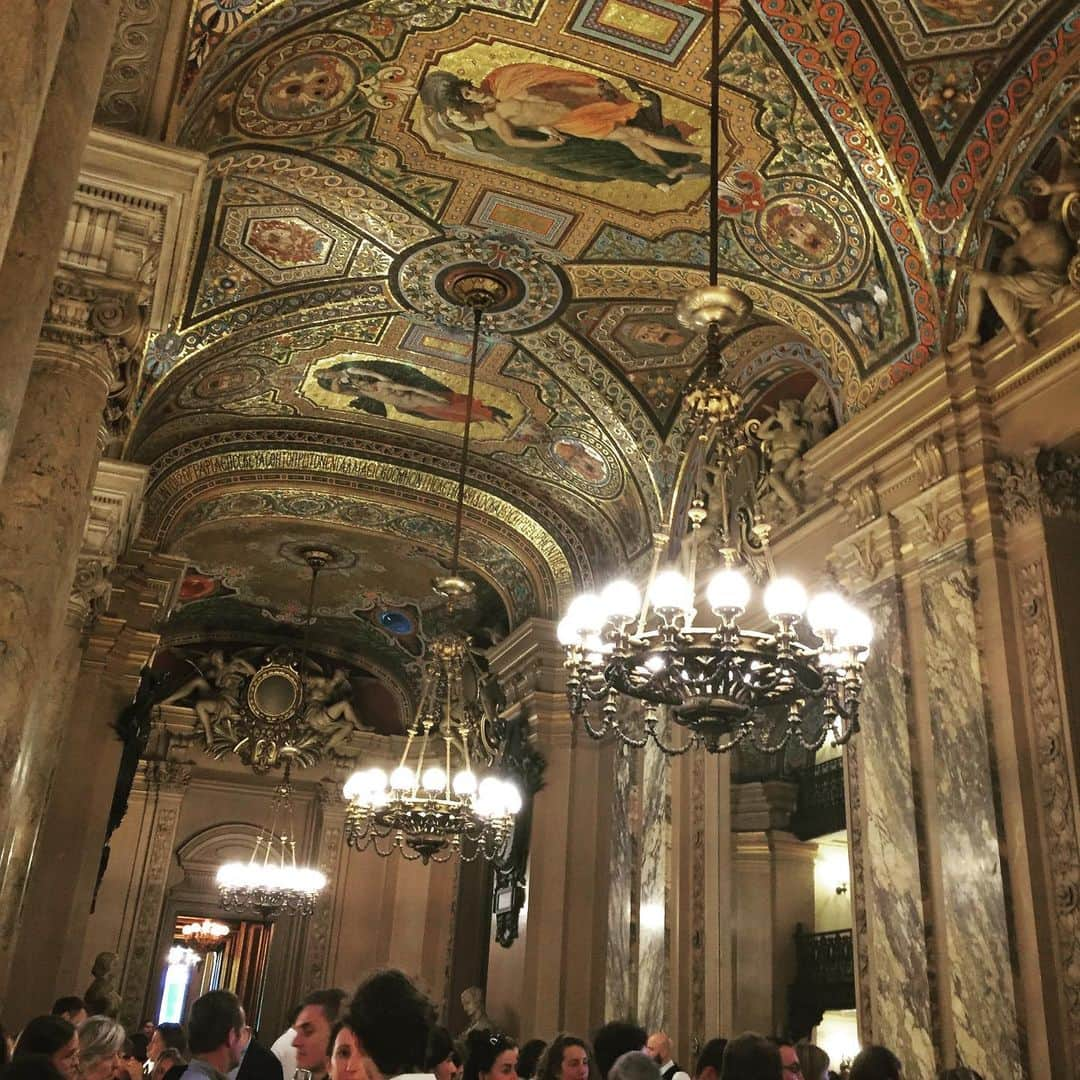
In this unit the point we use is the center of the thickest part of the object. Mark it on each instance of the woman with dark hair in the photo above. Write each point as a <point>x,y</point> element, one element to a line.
<point>490,1055</point>
<point>876,1063</point>
<point>346,1057</point>
<point>566,1058</point>
<point>529,1057</point>
<point>442,1058</point>
<point>31,1067</point>
<point>54,1037</point>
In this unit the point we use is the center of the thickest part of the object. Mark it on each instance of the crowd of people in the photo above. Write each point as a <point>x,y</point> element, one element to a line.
<point>387,1031</point>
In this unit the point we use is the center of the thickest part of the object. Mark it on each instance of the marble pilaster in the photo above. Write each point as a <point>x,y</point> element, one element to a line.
<point>653,967</point>
<point>160,787</point>
<point>621,976</point>
<point>37,228</point>
<point>330,845</point>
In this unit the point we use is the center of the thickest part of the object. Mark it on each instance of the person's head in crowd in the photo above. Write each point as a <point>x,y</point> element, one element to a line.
<point>566,1058</point>
<point>392,1020</point>
<point>71,1008</point>
<point>875,1063</point>
<point>790,1064</point>
<point>346,1057</point>
<point>711,1060</point>
<point>612,1041</point>
<point>167,1037</point>
<point>961,1072</point>
<point>216,1030</point>
<point>442,1057</point>
<point>813,1060</point>
<point>54,1037</point>
<point>529,1057</point>
<point>130,1067</point>
<point>167,1059</point>
<point>658,1047</point>
<point>634,1065</point>
<point>31,1067</point>
<point>100,1041</point>
<point>490,1055</point>
<point>146,1028</point>
<point>752,1057</point>
<point>318,1014</point>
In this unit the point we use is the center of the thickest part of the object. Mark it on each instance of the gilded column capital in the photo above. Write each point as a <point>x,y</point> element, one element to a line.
<point>860,502</point>
<point>168,776</point>
<point>1059,477</point>
<point>1041,483</point>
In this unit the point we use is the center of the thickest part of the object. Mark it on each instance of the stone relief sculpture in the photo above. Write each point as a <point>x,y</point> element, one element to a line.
<point>101,996</point>
<point>258,704</point>
<point>1032,274</point>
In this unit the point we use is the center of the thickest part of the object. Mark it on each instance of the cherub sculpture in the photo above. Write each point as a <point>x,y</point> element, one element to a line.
<point>216,691</point>
<point>784,435</point>
<point>328,709</point>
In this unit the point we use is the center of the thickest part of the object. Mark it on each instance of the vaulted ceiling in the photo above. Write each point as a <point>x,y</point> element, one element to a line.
<point>313,385</point>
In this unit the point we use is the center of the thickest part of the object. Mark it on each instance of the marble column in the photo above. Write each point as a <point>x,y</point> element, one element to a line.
<point>30,40</point>
<point>37,228</point>
<point>773,886</point>
<point>552,977</point>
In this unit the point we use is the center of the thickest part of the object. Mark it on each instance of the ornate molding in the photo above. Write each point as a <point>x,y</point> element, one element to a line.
<point>1059,475</point>
<point>132,68</point>
<point>1042,482</point>
<point>929,458</point>
<point>1059,824</point>
<point>1017,481</point>
<point>861,503</point>
<point>172,777</point>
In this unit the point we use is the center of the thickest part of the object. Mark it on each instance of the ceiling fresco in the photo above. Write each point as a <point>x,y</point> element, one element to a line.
<point>362,155</point>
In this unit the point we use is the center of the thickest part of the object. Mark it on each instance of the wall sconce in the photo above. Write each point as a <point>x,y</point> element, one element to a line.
<point>832,871</point>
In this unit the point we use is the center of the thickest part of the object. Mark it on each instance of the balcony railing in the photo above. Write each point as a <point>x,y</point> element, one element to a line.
<point>820,808</point>
<point>825,978</point>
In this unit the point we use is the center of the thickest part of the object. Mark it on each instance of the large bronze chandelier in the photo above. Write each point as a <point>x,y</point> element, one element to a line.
<point>434,804</point>
<point>637,665</point>
<point>271,882</point>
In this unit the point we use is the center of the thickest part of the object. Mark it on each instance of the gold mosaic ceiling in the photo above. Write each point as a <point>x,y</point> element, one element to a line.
<point>361,152</point>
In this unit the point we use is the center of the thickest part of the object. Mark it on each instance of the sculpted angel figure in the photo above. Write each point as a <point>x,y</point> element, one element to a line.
<point>216,689</point>
<point>1031,274</point>
<point>328,710</point>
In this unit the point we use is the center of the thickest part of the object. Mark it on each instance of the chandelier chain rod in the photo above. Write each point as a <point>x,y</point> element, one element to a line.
<point>478,315</point>
<point>714,148</point>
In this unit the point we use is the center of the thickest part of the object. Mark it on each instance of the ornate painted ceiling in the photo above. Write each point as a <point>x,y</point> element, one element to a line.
<point>361,153</point>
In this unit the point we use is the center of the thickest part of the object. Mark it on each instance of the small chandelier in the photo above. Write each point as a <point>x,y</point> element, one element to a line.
<point>271,882</point>
<point>632,666</point>
<point>181,954</point>
<point>205,934</point>
<point>434,804</point>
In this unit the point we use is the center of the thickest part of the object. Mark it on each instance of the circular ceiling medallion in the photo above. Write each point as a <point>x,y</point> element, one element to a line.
<point>808,233</point>
<point>306,86</point>
<point>330,556</point>
<point>529,290</point>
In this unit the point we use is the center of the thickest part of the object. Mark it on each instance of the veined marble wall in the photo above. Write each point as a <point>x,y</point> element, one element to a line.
<point>621,975</point>
<point>653,923</point>
<point>898,976</point>
<point>983,1004</point>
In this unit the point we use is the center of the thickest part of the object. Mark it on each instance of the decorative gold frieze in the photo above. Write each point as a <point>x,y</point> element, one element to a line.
<point>929,458</point>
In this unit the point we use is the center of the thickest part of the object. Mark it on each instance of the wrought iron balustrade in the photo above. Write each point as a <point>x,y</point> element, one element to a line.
<point>820,808</point>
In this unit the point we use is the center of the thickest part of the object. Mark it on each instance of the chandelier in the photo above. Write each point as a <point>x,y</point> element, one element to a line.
<point>205,934</point>
<point>181,954</point>
<point>434,804</point>
<point>271,882</point>
<point>636,665</point>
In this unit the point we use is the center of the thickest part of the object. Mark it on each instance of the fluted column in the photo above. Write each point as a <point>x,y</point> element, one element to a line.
<point>35,230</point>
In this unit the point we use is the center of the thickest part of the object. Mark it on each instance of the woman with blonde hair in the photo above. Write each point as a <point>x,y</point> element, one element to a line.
<point>100,1041</point>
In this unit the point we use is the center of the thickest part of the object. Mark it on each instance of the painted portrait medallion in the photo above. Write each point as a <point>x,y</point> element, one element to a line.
<point>288,242</point>
<point>582,460</point>
<point>808,233</point>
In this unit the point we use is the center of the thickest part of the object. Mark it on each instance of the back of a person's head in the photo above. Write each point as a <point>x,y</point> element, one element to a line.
<point>812,1059</point>
<point>482,1049</point>
<point>614,1039</point>
<point>30,1067</point>
<point>211,1019</point>
<point>752,1057</point>
<point>875,1063</point>
<point>711,1057</point>
<point>68,1006</point>
<point>440,1046</point>
<point>529,1058</point>
<point>961,1072</point>
<point>331,1001</point>
<point>99,1038</point>
<point>173,1037</point>
<point>392,1020</point>
<point>634,1065</point>
<point>44,1035</point>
